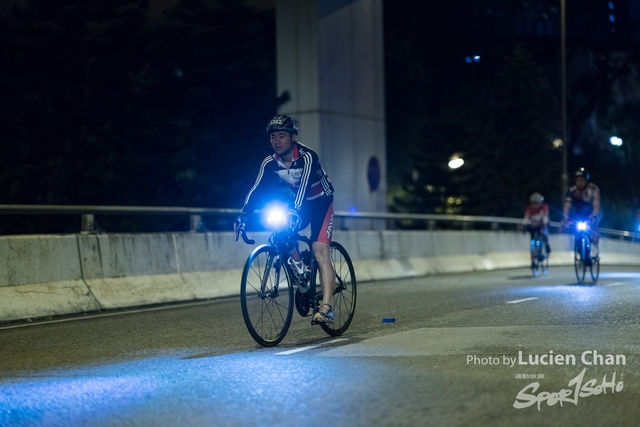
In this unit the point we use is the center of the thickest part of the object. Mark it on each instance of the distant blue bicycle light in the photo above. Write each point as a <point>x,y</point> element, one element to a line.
<point>582,226</point>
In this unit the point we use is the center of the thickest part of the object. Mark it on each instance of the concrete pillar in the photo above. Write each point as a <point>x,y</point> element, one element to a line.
<point>330,60</point>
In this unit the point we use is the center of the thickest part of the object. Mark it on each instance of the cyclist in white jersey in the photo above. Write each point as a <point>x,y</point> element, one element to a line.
<point>296,167</point>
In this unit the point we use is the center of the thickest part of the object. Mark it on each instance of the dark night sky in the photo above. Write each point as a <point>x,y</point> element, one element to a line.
<point>155,6</point>
<point>431,91</point>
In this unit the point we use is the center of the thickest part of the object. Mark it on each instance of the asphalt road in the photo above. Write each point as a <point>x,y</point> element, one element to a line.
<point>454,357</point>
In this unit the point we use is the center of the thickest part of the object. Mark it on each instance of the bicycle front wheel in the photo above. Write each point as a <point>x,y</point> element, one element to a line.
<point>535,256</point>
<point>344,294</point>
<point>579,260</point>
<point>544,260</point>
<point>266,296</point>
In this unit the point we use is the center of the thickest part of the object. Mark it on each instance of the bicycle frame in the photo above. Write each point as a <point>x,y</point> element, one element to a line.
<point>280,241</point>
<point>538,253</point>
<point>536,240</point>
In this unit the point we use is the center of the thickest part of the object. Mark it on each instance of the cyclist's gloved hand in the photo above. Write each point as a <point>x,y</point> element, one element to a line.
<point>592,219</point>
<point>239,223</point>
<point>293,219</point>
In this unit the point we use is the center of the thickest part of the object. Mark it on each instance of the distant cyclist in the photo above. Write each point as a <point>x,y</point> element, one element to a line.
<point>584,197</point>
<point>536,220</point>
<point>296,169</point>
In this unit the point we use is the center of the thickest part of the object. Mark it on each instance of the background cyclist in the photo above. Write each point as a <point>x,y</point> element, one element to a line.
<point>536,220</point>
<point>295,168</point>
<point>584,197</point>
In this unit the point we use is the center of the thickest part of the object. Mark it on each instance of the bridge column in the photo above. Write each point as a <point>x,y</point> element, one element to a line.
<point>330,60</point>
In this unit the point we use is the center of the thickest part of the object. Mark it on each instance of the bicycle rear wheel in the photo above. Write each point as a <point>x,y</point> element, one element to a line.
<point>594,269</point>
<point>266,297</point>
<point>344,295</point>
<point>579,260</point>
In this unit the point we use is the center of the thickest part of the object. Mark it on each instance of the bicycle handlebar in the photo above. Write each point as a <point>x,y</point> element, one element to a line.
<point>246,239</point>
<point>291,234</point>
<point>241,232</point>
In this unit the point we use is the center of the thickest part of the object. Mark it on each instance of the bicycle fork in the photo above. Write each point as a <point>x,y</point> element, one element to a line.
<point>583,247</point>
<point>264,292</point>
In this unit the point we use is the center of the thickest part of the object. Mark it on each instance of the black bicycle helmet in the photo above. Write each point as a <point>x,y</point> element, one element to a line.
<point>582,172</point>
<point>284,123</point>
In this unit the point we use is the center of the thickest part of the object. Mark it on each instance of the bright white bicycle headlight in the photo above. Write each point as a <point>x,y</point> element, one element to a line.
<point>275,217</point>
<point>582,226</point>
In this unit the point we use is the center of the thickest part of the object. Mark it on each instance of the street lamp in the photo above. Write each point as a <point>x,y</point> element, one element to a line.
<point>614,140</point>
<point>456,162</point>
<point>563,61</point>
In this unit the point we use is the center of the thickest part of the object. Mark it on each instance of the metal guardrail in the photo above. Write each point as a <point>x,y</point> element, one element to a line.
<point>88,213</point>
<point>494,220</point>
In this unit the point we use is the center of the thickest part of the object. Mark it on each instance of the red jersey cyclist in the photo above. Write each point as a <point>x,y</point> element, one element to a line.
<point>536,220</point>
<point>295,168</point>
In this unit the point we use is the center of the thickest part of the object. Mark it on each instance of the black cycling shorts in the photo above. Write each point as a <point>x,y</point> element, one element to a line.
<point>319,214</point>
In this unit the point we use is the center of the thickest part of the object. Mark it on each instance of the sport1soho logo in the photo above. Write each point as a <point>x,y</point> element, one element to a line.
<point>577,387</point>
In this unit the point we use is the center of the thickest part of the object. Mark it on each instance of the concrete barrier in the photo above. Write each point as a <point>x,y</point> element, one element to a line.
<point>211,264</point>
<point>380,255</point>
<point>124,270</point>
<point>56,275</point>
<point>42,276</point>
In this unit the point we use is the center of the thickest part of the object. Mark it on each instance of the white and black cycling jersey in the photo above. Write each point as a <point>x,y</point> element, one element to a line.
<point>582,200</point>
<point>305,179</point>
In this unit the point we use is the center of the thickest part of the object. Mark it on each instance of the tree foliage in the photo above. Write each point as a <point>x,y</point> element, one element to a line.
<point>504,140</point>
<point>102,107</point>
<point>502,112</point>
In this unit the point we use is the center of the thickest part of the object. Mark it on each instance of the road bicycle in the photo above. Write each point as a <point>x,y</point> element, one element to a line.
<point>539,255</point>
<point>269,289</point>
<point>582,258</point>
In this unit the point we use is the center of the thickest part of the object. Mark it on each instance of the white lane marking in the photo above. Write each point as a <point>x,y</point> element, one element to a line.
<point>309,347</point>
<point>618,283</point>
<point>297,350</point>
<point>118,313</point>
<point>521,300</point>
